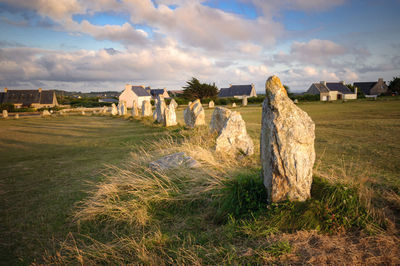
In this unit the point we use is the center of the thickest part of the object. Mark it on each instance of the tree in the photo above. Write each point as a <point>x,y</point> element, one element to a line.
<point>197,90</point>
<point>394,85</point>
<point>360,94</point>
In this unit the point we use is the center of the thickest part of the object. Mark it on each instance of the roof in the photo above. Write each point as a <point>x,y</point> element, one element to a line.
<point>156,92</point>
<point>106,100</point>
<point>321,88</point>
<point>338,86</point>
<point>140,91</point>
<point>365,87</point>
<point>27,97</point>
<point>235,90</point>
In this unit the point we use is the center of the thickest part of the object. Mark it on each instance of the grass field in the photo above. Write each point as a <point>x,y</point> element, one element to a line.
<point>75,190</point>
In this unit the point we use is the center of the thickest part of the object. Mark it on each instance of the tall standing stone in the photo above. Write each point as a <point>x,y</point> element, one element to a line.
<point>160,109</point>
<point>5,114</point>
<point>124,108</point>
<point>174,103</point>
<point>146,108</point>
<point>194,114</point>
<point>170,116</point>
<point>232,133</point>
<point>114,110</point>
<point>135,109</point>
<point>211,104</point>
<point>244,101</point>
<point>286,146</point>
<point>233,105</point>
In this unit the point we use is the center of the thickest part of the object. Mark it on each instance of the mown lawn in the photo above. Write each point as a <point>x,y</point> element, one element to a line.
<point>48,165</point>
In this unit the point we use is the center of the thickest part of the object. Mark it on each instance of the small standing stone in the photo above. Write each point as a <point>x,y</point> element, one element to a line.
<point>45,113</point>
<point>146,108</point>
<point>135,109</point>
<point>232,133</point>
<point>174,103</point>
<point>114,109</point>
<point>194,114</point>
<point>233,105</point>
<point>16,116</point>
<point>211,104</point>
<point>170,116</point>
<point>244,101</point>
<point>5,114</point>
<point>296,101</point>
<point>104,110</point>
<point>83,113</point>
<point>286,146</point>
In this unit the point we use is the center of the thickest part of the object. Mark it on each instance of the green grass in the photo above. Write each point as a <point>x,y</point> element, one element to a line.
<point>47,166</point>
<point>61,203</point>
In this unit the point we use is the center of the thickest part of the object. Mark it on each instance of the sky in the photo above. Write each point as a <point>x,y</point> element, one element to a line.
<point>98,45</point>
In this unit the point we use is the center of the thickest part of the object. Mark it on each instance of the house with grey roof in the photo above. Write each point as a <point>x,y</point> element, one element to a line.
<point>372,88</point>
<point>156,92</point>
<point>238,91</point>
<point>134,93</point>
<point>29,98</point>
<point>332,91</point>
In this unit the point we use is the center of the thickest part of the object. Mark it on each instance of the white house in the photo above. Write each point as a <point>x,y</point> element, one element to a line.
<point>134,93</point>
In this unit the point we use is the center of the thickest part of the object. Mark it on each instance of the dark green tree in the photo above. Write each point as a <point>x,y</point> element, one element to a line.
<point>197,90</point>
<point>394,85</point>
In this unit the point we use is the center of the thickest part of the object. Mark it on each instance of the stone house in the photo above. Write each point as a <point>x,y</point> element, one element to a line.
<point>372,88</point>
<point>137,93</point>
<point>156,92</point>
<point>29,98</point>
<point>238,91</point>
<point>332,91</point>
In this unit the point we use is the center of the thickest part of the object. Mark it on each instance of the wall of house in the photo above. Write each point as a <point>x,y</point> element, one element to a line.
<point>141,99</point>
<point>128,96</point>
<point>349,96</point>
<point>328,96</point>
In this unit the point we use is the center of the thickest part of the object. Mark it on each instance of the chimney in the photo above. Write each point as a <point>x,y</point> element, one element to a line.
<point>355,90</point>
<point>342,82</point>
<point>323,82</point>
<point>5,89</point>
<point>127,86</point>
<point>40,89</point>
<point>380,80</point>
<point>143,86</point>
<point>230,85</point>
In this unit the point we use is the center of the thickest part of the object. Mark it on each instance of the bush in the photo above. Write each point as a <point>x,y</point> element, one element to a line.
<point>305,97</point>
<point>7,106</point>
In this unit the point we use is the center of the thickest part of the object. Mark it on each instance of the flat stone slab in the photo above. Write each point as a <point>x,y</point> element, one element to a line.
<point>172,161</point>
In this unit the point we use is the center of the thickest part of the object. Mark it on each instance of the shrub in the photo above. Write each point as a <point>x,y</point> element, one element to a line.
<point>7,106</point>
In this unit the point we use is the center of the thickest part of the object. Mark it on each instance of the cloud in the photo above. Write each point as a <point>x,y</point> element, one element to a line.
<point>318,52</point>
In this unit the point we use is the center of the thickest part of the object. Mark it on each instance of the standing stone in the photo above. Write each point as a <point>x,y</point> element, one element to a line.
<point>45,113</point>
<point>146,108</point>
<point>174,103</point>
<point>16,116</point>
<point>211,104</point>
<point>233,105</point>
<point>189,103</point>
<point>119,108</point>
<point>135,109</point>
<point>232,133</point>
<point>104,110</point>
<point>170,116</point>
<point>194,114</point>
<point>244,101</point>
<point>83,112</point>
<point>286,146</point>
<point>5,114</point>
<point>114,110</point>
<point>124,108</point>
<point>160,110</point>
<point>296,101</point>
